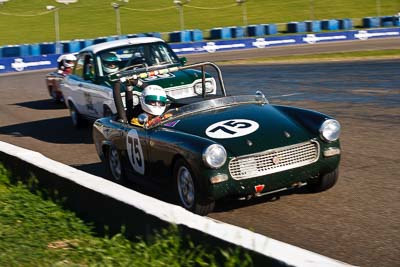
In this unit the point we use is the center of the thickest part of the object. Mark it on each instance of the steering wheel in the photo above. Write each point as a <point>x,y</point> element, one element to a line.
<point>136,61</point>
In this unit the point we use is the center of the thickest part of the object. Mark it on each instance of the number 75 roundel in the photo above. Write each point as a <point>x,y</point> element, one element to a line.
<point>231,128</point>
<point>135,151</point>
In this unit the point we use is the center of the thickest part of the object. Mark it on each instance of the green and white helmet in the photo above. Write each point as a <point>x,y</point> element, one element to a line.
<point>153,100</point>
<point>110,62</point>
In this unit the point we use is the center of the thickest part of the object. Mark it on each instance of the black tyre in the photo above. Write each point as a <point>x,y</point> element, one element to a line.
<point>54,96</point>
<point>188,190</point>
<point>52,93</point>
<point>114,165</point>
<point>76,118</point>
<point>324,182</point>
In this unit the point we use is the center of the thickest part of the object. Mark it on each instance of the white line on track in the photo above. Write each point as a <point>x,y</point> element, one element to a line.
<point>287,95</point>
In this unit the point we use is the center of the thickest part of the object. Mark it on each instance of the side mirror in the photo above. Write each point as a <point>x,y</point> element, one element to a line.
<point>261,95</point>
<point>143,118</point>
<point>183,60</point>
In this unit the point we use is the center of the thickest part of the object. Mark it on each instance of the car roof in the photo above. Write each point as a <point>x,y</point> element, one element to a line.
<point>118,43</point>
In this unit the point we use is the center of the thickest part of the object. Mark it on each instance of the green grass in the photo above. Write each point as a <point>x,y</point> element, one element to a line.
<point>27,21</point>
<point>38,232</point>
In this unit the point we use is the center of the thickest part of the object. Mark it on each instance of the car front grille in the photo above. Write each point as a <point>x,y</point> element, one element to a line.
<point>274,160</point>
<point>185,90</point>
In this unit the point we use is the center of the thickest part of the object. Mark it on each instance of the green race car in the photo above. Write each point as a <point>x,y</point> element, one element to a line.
<point>212,146</point>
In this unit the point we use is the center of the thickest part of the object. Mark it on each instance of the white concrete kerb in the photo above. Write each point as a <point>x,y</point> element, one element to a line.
<point>173,214</point>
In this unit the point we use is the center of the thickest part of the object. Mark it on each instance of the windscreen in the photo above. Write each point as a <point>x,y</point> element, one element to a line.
<point>138,56</point>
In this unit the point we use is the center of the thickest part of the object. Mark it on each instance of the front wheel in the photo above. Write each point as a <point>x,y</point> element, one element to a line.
<point>55,95</point>
<point>324,182</point>
<point>77,119</point>
<point>188,190</point>
<point>114,166</point>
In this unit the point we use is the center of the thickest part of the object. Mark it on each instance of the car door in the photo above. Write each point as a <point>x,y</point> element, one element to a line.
<point>88,97</point>
<point>136,148</point>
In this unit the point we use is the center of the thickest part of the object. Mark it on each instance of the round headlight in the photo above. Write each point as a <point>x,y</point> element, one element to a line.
<point>214,156</point>
<point>198,87</point>
<point>330,130</point>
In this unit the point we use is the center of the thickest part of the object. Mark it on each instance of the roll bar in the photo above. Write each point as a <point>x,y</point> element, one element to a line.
<point>133,78</point>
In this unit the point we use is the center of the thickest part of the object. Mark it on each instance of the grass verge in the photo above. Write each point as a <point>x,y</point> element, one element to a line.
<point>38,232</point>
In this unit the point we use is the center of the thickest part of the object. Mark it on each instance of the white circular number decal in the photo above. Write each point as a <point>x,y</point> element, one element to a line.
<point>231,128</point>
<point>135,151</point>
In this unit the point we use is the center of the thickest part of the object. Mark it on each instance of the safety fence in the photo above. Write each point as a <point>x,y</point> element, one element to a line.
<point>196,35</point>
<point>46,61</point>
<point>112,206</point>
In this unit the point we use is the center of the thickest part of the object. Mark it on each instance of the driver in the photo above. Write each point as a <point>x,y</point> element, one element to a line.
<point>66,63</point>
<point>110,62</point>
<point>153,102</point>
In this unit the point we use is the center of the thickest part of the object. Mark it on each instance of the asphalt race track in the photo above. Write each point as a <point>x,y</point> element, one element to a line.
<point>357,221</point>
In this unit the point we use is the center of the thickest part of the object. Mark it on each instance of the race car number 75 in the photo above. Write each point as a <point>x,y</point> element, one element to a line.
<point>135,151</point>
<point>231,128</point>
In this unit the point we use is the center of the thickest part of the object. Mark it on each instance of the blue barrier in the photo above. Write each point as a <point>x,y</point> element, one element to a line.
<point>270,29</point>
<point>313,26</point>
<point>34,50</point>
<point>17,64</point>
<point>47,48</point>
<point>11,51</point>
<point>25,50</point>
<point>179,37</point>
<point>396,20</point>
<point>71,46</point>
<point>255,30</point>
<point>135,35</point>
<point>370,22</point>
<point>15,51</point>
<point>220,33</point>
<point>153,34</point>
<point>248,43</point>
<point>237,31</point>
<point>196,35</point>
<point>103,39</point>
<point>345,24</point>
<point>330,24</point>
<point>296,27</point>
<point>387,21</point>
<point>86,43</point>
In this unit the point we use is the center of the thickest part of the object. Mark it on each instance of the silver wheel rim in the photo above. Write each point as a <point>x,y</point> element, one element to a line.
<point>115,164</point>
<point>186,187</point>
<point>74,116</point>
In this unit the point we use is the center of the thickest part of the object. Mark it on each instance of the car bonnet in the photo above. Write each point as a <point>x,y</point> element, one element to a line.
<point>244,129</point>
<point>174,79</point>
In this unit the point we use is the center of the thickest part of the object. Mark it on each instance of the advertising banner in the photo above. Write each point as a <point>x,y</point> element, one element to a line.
<point>28,63</point>
<point>20,64</point>
<point>270,41</point>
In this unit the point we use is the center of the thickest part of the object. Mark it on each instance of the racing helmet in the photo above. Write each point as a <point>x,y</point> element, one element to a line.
<point>153,100</point>
<point>110,62</point>
<point>69,61</point>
